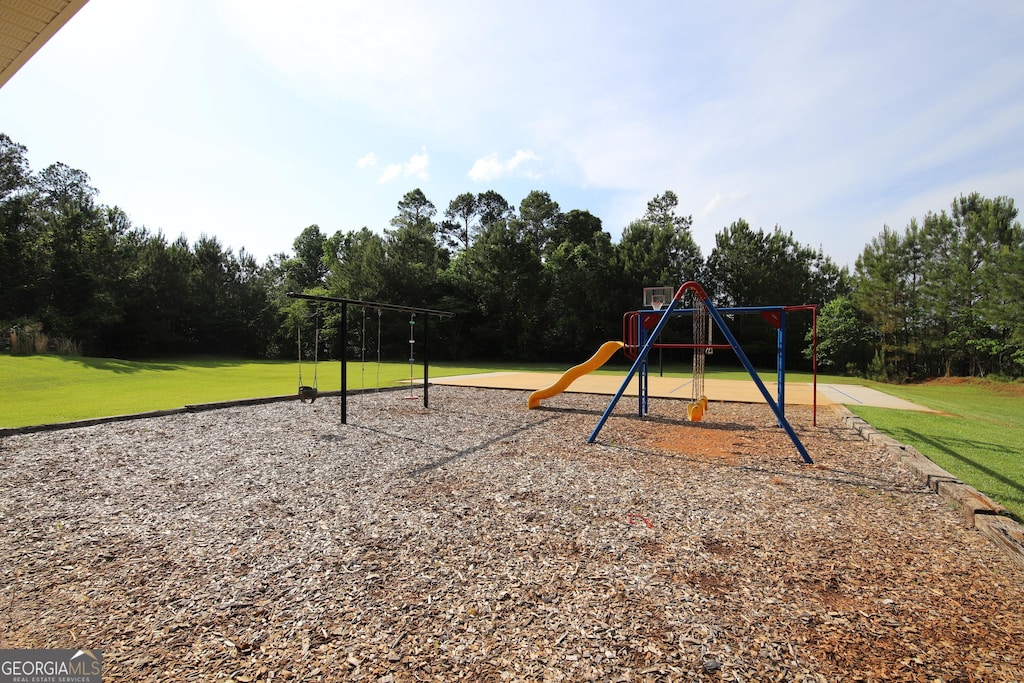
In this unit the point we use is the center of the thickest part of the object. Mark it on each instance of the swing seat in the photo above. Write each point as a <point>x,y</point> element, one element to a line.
<point>307,394</point>
<point>695,410</point>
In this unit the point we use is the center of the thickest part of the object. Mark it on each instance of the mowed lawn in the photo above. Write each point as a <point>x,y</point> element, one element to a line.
<point>47,389</point>
<point>977,435</point>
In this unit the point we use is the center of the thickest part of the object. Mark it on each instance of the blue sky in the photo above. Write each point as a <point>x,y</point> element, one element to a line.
<point>250,119</point>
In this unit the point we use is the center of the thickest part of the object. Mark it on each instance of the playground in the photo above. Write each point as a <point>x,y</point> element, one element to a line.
<point>478,539</point>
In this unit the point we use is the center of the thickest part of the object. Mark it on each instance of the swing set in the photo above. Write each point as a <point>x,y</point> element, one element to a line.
<point>642,331</point>
<point>308,394</point>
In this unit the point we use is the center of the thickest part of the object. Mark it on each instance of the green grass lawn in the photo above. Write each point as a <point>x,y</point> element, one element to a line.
<point>45,389</point>
<point>978,436</point>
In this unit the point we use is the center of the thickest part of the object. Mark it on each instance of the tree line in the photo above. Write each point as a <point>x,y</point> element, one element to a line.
<point>527,283</point>
<point>942,297</point>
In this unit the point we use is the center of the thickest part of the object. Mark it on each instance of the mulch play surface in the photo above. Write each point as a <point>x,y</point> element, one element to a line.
<point>477,540</point>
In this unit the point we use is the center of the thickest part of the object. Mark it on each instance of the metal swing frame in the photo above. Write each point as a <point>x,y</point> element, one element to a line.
<point>641,361</point>
<point>427,313</point>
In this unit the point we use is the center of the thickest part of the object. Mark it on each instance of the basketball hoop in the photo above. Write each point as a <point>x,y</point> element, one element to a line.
<point>658,297</point>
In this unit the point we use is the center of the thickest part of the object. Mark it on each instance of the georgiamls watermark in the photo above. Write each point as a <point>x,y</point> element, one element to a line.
<point>51,666</point>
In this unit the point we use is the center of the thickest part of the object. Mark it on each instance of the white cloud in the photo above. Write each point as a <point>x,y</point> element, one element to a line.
<point>491,168</point>
<point>415,167</point>
<point>391,171</point>
<point>719,200</point>
<point>366,161</point>
<point>487,168</point>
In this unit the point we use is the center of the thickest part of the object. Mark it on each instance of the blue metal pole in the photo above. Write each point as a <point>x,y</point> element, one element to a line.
<point>645,378</point>
<point>642,372</point>
<point>780,363</point>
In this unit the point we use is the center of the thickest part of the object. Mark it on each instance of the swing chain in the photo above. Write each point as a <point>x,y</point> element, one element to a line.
<point>412,337</point>
<point>308,394</point>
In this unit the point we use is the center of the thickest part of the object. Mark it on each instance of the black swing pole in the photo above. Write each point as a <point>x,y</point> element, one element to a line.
<point>344,364</point>
<point>426,359</point>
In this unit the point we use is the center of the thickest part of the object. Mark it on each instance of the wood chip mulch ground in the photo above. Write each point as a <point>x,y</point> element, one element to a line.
<point>478,540</point>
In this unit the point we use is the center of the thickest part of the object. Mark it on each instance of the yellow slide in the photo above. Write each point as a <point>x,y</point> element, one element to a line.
<point>606,351</point>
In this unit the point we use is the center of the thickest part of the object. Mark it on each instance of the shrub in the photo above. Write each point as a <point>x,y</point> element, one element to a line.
<point>67,347</point>
<point>28,339</point>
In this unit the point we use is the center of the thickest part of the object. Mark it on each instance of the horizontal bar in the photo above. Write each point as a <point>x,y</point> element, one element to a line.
<point>370,304</point>
<point>736,309</point>
<point>669,345</point>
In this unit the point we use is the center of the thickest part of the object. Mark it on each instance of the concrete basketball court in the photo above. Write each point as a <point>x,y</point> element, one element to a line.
<point>740,391</point>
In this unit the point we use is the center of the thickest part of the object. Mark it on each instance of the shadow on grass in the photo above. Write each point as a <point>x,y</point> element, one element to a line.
<point>121,367</point>
<point>943,446</point>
